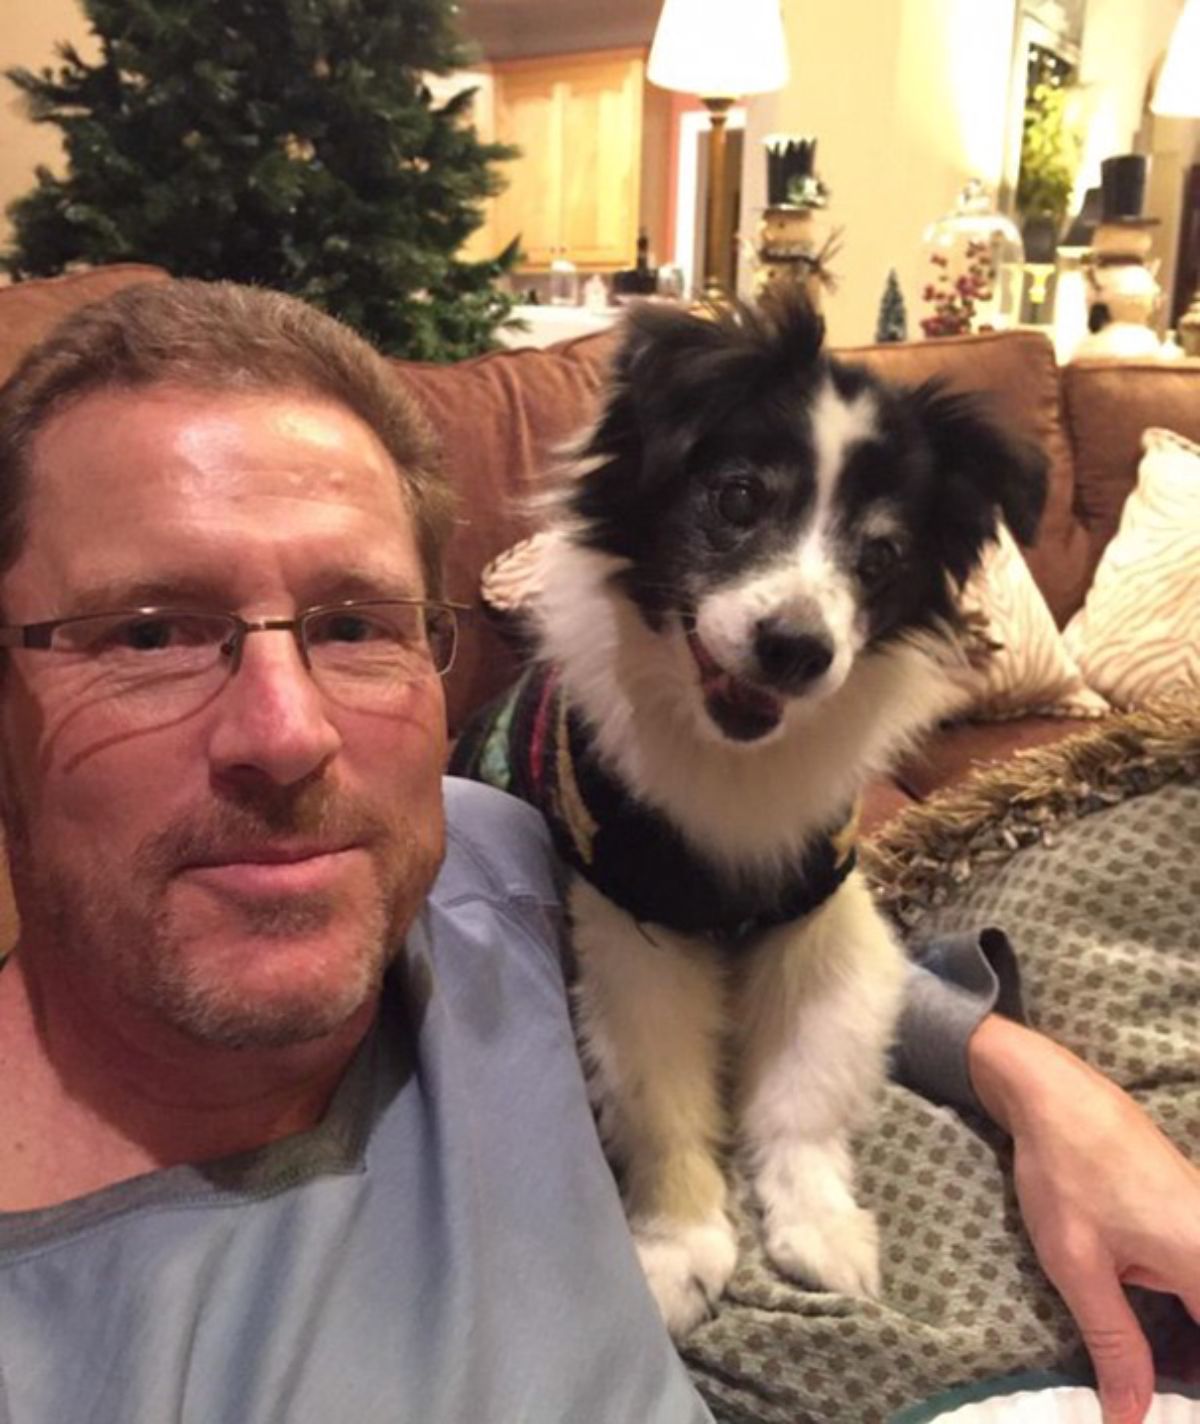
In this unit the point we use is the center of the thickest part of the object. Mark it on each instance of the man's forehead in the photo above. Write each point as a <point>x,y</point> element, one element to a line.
<point>152,415</point>
<point>115,447</point>
<point>207,472</point>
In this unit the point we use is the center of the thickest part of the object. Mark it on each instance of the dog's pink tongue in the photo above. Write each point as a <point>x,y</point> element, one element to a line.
<point>743,696</point>
<point>713,676</point>
<point>729,695</point>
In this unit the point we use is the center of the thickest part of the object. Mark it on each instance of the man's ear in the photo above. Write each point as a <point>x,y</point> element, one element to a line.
<point>980,472</point>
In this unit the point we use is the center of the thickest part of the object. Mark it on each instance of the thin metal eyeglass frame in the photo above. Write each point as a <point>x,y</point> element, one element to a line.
<point>40,635</point>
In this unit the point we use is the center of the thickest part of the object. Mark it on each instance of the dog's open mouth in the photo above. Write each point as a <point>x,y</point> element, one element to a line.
<point>742,710</point>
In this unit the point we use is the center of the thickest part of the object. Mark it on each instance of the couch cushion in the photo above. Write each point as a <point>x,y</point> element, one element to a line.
<point>957,750</point>
<point>31,310</point>
<point>1030,669</point>
<point>1108,406</point>
<point>499,419</point>
<point>1017,371</point>
<point>882,800</point>
<point>1137,637</point>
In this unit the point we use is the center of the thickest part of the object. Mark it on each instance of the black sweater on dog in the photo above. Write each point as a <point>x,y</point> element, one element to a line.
<point>531,743</point>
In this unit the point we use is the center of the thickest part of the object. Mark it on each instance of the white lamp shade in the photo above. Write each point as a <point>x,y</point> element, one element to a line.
<point>1178,90</point>
<point>719,49</point>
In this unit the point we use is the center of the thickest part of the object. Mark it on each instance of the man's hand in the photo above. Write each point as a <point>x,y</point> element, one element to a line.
<point>1107,1200</point>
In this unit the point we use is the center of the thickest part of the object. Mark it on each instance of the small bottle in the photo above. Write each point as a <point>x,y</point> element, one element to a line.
<point>564,283</point>
<point>595,293</point>
<point>646,278</point>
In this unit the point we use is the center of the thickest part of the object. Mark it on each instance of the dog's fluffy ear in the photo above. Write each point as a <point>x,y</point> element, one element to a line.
<point>676,374</point>
<point>665,355</point>
<point>664,346</point>
<point>676,377</point>
<point>980,472</point>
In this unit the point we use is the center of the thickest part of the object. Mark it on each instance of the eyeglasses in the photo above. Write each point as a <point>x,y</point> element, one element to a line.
<point>360,652</point>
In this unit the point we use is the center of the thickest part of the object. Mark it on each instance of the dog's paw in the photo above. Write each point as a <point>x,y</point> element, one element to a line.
<point>837,1251</point>
<point>687,1266</point>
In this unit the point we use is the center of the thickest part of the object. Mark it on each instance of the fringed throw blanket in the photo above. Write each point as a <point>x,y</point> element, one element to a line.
<point>1088,854</point>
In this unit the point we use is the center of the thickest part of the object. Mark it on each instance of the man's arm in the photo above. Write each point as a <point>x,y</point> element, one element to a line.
<point>1106,1199</point>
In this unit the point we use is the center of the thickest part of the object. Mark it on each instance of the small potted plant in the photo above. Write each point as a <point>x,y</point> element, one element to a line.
<point>1050,153</point>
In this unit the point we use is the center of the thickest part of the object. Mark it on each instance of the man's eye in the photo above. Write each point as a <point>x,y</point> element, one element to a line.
<point>876,559</point>
<point>153,635</point>
<point>741,500</point>
<point>355,626</point>
<point>146,636</point>
<point>348,628</point>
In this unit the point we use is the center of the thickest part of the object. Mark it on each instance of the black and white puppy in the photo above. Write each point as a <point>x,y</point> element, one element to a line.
<point>746,610</point>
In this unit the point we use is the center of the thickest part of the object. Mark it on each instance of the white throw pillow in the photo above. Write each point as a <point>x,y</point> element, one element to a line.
<point>1137,636</point>
<point>1031,672</point>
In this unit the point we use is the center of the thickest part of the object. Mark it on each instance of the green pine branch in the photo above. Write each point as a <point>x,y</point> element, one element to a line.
<point>293,143</point>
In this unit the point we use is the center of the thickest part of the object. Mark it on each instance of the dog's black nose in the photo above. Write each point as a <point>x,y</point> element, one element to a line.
<point>790,660</point>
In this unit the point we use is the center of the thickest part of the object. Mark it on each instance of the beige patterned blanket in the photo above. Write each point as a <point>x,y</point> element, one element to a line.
<point>1088,854</point>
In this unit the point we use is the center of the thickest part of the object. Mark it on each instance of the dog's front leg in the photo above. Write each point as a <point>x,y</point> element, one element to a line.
<point>818,1007</point>
<point>650,1017</point>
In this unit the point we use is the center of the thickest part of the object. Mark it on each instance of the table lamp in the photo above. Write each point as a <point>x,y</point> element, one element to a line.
<point>1177,96</point>
<point>718,50</point>
<point>1177,93</point>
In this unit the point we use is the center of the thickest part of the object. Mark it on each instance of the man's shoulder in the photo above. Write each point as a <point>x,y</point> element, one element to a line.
<point>496,848</point>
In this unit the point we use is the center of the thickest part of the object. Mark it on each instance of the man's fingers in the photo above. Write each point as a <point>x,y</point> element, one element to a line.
<point>1119,1351</point>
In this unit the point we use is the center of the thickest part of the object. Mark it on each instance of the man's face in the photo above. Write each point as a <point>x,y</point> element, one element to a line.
<point>240,869</point>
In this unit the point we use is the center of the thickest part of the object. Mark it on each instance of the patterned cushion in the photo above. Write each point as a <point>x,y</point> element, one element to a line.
<point>1031,671</point>
<point>1137,636</point>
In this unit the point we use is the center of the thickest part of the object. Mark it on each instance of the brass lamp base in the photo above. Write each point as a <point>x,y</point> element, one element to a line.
<point>718,251</point>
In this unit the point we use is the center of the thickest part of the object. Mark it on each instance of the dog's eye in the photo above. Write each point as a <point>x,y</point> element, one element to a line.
<point>876,559</point>
<point>740,501</point>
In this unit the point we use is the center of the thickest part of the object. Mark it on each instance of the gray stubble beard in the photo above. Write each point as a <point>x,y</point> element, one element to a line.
<point>81,915</point>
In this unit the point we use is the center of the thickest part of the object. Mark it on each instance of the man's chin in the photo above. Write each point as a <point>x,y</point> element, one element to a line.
<point>284,993</point>
<point>257,971</point>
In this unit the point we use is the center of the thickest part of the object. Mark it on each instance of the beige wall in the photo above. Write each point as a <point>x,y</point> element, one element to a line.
<point>909,98</point>
<point>29,30</point>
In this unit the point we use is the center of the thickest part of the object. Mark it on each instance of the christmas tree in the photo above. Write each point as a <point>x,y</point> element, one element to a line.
<point>892,324</point>
<point>291,143</point>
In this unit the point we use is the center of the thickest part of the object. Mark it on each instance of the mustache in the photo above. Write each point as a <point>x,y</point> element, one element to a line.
<point>261,821</point>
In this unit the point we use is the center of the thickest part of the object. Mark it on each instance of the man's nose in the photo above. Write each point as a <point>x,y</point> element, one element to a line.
<point>272,721</point>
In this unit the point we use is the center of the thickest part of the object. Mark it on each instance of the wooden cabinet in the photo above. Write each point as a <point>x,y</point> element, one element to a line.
<point>575,191</point>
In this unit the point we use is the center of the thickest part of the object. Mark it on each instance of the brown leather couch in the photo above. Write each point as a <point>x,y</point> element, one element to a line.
<point>500,416</point>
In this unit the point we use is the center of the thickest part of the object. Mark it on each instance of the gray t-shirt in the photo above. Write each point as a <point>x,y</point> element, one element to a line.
<point>446,1247</point>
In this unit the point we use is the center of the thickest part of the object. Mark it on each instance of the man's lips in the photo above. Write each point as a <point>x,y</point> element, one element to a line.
<point>272,870</point>
<point>273,853</point>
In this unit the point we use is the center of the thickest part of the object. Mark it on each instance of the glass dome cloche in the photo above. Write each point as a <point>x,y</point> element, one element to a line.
<point>973,268</point>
